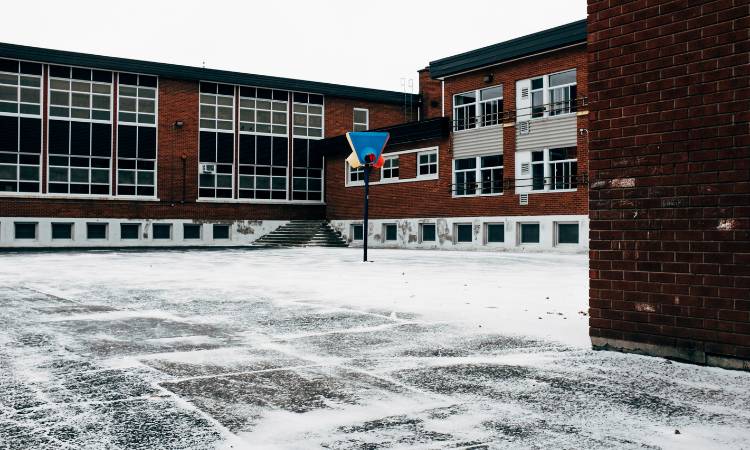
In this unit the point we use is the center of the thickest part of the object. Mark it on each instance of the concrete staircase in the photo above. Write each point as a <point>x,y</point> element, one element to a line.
<point>302,233</point>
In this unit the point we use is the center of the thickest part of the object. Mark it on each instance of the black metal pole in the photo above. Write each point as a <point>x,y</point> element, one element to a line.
<point>367,198</point>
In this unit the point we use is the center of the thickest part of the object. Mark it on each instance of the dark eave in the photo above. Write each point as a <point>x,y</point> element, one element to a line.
<point>563,36</point>
<point>406,133</point>
<point>179,72</point>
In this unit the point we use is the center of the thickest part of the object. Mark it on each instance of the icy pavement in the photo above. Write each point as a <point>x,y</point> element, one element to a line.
<point>310,348</point>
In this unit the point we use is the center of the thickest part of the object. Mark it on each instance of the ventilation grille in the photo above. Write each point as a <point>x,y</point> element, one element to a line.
<point>525,168</point>
<point>523,199</point>
<point>524,127</point>
<point>525,92</point>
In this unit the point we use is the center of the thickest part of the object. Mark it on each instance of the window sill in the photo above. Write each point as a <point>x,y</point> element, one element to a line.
<point>259,201</point>
<point>556,191</point>
<point>478,195</point>
<point>76,196</point>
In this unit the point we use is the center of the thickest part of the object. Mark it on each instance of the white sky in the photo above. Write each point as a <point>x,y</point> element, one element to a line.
<point>372,44</point>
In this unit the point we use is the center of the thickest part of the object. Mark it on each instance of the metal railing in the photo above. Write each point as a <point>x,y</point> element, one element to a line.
<point>553,109</point>
<point>509,184</point>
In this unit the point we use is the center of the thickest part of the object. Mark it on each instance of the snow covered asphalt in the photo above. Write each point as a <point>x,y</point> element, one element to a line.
<point>311,348</point>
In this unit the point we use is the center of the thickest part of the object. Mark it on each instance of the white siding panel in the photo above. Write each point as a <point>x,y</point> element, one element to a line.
<point>549,133</point>
<point>478,141</point>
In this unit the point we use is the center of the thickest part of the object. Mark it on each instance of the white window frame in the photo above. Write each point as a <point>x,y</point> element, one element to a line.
<point>250,104</point>
<point>71,119</point>
<point>428,176</point>
<point>479,117</point>
<point>154,125</point>
<point>421,232</point>
<point>546,95</point>
<point>455,233</point>
<point>303,109</point>
<point>519,238</point>
<point>547,165</point>
<point>478,176</point>
<point>365,124</point>
<point>385,232</point>
<point>557,234</point>
<point>351,230</point>
<point>36,85</point>
<point>349,170</point>
<point>212,101</point>
<point>388,166</point>
<point>487,233</point>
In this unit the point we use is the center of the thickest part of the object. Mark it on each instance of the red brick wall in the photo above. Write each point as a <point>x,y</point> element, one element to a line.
<point>339,115</point>
<point>432,95</point>
<point>434,198</point>
<point>670,172</point>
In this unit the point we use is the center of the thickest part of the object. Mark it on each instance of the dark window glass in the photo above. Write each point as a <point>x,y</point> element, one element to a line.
<point>358,235</point>
<point>8,65</point>
<point>102,76</point>
<point>96,231</point>
<point>247,149</point>
<point>81,74</point>
<point>145,80</point>
<point>529,233</point>
<point>466,163</point>
<point>31,135</point>
<point>225,89</point>
<point>556,154</point>
<point>191,231</point>
<point>221,231</point>
<point>59,139</point>
<point>129,230</point>
<point>62,231</point>
<point>495,232</point>
<point>25,230</point>
<point>128,78</point>
<point>80,138</point>
<point>59,71</point>
<point>8,134</point>
<point>264,150</point>
<point>537,173</point>
<point>280,149</point>
<point>247,91</point>
<point>127,141</point>
<point>463,233</point>
<point>101,139</point>
<point>390,233</point>
<point>208,146</point>
<point>147,142</point>
<point>209,88</point>
<point>162,231</point>
<point>428,232</point>
<point>567,233</point>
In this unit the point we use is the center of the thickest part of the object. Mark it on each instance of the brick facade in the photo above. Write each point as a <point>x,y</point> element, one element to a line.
<point>177,168</point>
<point>434,198</point>
<point>670,172</point>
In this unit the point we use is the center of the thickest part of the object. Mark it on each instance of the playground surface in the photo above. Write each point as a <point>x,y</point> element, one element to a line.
<point>312,348</point>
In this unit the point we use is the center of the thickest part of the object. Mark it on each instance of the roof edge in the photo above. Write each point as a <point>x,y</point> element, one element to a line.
<point>182,72</point>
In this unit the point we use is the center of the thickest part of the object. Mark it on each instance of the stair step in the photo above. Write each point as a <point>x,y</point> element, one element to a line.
<point>303,233</point>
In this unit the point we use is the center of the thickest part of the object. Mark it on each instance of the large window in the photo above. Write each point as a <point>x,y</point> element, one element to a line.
<point>308,115</point>
<point>487,169</point>
<point>216,155</point>
<point>479,108</point>
<point>20,126</point>
<point>307,171</point>
<point>554,169</point>
<point>263,167</point>
<point>361,119</point>
<point>136,135</point>
<point>554,94</point>
<point>263,111</point>
<point>80,131</point>
<point>389,171</point>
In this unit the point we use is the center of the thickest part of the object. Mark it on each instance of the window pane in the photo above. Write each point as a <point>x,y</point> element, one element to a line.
<point>221,231</point>
<point>162,231</point>
<point>129,230</point>
<point>567,233</point>
<point>463,233</point>
<point>529,233</point>
<point>495,232</point>
<point>357,233</point>
<point>191,231</point>
<point>390,233</point>
<point>62,231</point>
<point>428,232</point>
<point>562,78</point>
<point>96,231</point>
<point>493,92</point>
<point>25,230</point>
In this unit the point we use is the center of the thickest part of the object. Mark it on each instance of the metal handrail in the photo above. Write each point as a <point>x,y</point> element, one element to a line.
<point>512,115</point>
<point>511,183</point>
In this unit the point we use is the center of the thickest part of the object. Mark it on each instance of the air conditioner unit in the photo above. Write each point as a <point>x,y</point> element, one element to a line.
<point>523,199</point>
<point>208,168</point>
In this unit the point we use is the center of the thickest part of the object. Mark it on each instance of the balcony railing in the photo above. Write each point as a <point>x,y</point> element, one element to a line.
<point>553,109</point>
<point>536,183</point>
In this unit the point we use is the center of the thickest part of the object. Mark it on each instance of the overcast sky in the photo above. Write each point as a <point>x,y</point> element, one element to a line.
<point>372,44</point>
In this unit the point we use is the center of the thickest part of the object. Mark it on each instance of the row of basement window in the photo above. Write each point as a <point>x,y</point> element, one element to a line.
<point>128,231</point>
<point>527,233</point>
